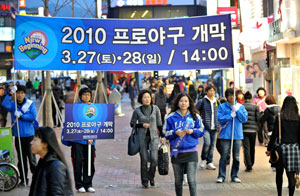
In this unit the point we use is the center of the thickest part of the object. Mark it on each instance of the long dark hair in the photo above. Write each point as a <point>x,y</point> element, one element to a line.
<point>290,109</point>
<point>47,135</point>
<point>193,110</point>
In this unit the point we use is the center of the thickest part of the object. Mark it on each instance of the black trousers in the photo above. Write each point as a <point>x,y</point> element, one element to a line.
<point>260,132</point>
<point>279,181</point>
<point>249,149</point>
<point>54,114</point>
<point>79,154</point>
<point>26,155</point>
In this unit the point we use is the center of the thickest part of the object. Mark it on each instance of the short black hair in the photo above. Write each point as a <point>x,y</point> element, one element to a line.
<point>208,87</point>
<point>84,90</point>
<point>55,81</point>
<point>238,92</point>
<point>140,97</point>
<point>261,88</point>
<point>21,88</point>
<point>228,92</point>
<point>248,95</point>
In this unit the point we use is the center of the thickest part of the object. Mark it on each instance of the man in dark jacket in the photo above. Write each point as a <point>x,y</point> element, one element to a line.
<point>3,111</point>
<point>250,128</point>
<point>58,96</point>
<point>208,107</point>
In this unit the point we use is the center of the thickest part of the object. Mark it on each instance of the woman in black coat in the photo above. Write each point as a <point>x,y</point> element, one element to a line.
<point>51,176</point>
<point>290,134</point>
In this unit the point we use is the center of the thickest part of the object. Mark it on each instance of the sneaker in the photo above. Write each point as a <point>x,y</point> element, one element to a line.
<point>220,180</point>
<point>202,164</point>
<point>185,181</point>
<point>236,180</point>
<point>81,190</point>
<point>297,181</point>
<point>210,166</point>
<point>91,190</point>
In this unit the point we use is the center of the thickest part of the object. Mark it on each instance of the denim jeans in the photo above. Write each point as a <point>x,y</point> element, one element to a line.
<point>191,168</point>
<point>225,145</point>
<point>208,145</point>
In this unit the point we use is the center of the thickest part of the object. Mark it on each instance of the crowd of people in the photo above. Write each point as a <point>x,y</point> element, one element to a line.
<point>171,111</point>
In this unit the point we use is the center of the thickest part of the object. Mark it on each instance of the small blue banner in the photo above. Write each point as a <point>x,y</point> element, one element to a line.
<point>89,122</point>
<point>49,43</point>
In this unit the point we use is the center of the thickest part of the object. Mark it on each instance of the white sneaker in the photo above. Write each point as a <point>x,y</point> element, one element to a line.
<point>236,180</point>
<point>220,180</point>
<point>81,190</point>
<point>202,164</point>
<point>91,190</point>
<point>185,181</point>
<point>210,166</point>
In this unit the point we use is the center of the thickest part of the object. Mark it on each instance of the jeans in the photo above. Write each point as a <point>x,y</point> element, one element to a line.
<point>208,145</point>
<point>133,102</point>
<point>191,168</point>
<point>148,153</point>
<point>225,144</point>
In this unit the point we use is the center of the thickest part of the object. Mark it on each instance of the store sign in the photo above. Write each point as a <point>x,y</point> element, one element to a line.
<point>4,7</point>
<point>275,30</point>
<point>233,13</point>
<point>46,43</point>
<point>7,34</point>
<point>22,3</point>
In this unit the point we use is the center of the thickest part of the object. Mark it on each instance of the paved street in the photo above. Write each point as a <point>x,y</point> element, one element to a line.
<point>118,174</point>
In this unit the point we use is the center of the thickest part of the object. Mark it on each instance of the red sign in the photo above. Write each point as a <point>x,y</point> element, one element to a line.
<point>156,2</point>
<point>22,3</point>
<point>232,11</point>
<point>4,7</point>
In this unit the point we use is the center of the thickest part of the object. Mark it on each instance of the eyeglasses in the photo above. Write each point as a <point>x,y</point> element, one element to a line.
<point>87,94</point>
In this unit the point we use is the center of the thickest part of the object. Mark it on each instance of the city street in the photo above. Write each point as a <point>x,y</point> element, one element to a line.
<point>119,174</point>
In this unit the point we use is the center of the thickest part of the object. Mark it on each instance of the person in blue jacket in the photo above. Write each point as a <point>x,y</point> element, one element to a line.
<point>183,127</point>
<point>26,115</point>
<point>228,112</point>
<point>79,153</point>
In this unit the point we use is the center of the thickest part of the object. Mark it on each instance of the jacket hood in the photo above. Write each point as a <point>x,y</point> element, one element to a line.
<point>214,99</point>
<point>274,108</point>
<point>179,113</point>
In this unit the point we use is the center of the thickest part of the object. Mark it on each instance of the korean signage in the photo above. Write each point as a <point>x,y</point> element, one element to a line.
<point>85,122</point>
<point>275,30</point>
<point>44,43</point>
<point>232,11</point>
<point>22,3</point>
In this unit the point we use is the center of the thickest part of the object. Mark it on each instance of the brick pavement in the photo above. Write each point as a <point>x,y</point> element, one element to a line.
<point>119,174</point>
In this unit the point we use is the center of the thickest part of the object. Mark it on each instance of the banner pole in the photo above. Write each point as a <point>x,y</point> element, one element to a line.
<point>19,139</point>
<point>95,94</point>
<point>42,103</point>
<point>232,134</point>
<point>57,108</point>
<point>89,159</point>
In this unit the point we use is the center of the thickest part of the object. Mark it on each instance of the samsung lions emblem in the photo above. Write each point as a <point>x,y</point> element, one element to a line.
<point>90,112</point>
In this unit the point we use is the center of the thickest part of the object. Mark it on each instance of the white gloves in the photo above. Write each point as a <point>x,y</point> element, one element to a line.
<point>235,107</point>
<point>233,114</point>
<point>18,114</point>
<point>14,89</point>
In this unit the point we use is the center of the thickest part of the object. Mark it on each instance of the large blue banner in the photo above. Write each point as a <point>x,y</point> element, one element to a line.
<point>85,122</point>
<point>45,43</point>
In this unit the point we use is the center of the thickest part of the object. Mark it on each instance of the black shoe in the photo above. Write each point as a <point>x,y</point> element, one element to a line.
<point>145,186</point>
<point>152,183</point>
<point>21,184</point>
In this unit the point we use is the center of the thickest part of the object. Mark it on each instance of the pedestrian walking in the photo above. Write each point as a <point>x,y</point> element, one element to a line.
<point>240,97</point>
<point>3,111</point>
<point>161,99</point>
<point>26,115</point>
<point>208,108</point>
<point>133,93</point>
<point>147,120</point>
<point>183,128</point>
<point>51,176</point>
<point>36,88</point>
<point>29,87</point>
<point>250,128</point>
<point>200,92</point>
<point>176,91</point>
<point>192,92</point>
<point>58,96</point>
<point>290,135</point>
<point>228,112</point>
<point>268,117</point>
<point>259,100</point>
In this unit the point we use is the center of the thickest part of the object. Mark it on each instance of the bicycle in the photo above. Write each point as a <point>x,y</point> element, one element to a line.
<point>9,175</point>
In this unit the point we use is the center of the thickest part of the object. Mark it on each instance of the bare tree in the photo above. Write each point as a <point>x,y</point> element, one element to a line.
<point>59,4</point>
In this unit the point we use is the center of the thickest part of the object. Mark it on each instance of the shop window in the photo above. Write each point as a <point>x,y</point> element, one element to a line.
<point>268,7</point>
<point>2,47</point>
<point>1,21</point>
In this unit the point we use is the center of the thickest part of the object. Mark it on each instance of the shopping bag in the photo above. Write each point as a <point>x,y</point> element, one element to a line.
<point>133,142</point>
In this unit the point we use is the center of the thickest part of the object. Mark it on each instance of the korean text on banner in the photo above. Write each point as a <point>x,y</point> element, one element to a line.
<point>44,43</point>
<point>88,122</point>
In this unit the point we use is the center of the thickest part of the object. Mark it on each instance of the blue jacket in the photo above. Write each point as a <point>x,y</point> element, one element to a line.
<point>174,122</point>
<point>69,143</point>
<point>225,119</point>
<point>28,117</point>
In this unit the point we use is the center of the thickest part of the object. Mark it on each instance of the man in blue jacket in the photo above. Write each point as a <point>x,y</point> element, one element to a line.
<point>26,115</point>
<point>228,112</point>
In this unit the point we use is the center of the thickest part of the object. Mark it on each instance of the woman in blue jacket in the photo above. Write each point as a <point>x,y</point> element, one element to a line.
<point>183,128</point>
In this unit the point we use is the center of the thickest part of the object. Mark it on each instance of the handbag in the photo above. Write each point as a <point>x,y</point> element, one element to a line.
<point>133,142</point>
<point>163,160</point>
<point>276,152</point>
